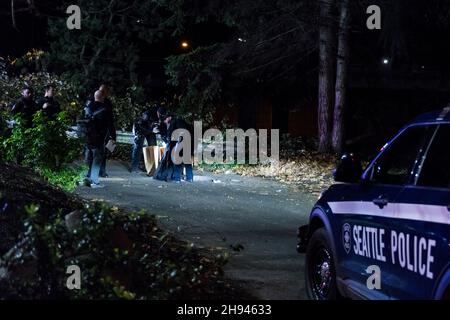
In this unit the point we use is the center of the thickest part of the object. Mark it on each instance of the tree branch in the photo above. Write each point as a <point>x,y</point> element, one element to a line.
<point>13,16</point>
<point>278,36</point>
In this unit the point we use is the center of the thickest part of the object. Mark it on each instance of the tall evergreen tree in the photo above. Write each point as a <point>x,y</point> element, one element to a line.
<point>326,72</point>
<point>341,77</point>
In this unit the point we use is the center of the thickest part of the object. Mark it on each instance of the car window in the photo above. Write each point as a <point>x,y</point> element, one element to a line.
<point>436,168</point>
<point>396,163</point>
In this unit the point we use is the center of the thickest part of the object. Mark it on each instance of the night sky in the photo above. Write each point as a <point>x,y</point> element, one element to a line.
<point>31,33</point>
<point>430,46</point>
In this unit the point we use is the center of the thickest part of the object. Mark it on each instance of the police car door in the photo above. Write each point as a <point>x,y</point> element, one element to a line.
<point>382,183</point>
<point>420,233</point>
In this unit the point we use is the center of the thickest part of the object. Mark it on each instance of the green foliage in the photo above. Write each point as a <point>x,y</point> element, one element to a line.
<point>71,94</point>
<point>66,178</point>
<point>44,145</point>
<point>3,132</point>
<point>46,148</point>
<point>68,92</point>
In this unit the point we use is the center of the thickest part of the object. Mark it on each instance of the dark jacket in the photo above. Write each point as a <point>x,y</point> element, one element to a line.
<point>110,120</point>
<point>165,168</point>
<point>26,108</point>
<point>146,123</point>
<point>178,123</point>
<point>98,125</point>
<point>53,107</point>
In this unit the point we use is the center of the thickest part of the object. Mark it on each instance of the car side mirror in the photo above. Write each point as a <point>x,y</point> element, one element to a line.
<point>349,169</point>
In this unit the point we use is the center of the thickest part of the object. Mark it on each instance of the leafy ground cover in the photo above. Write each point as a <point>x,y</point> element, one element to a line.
<point>121,255</point>
<point>299,165</point>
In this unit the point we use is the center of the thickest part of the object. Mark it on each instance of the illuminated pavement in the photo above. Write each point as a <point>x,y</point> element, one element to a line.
<point>225,211</point>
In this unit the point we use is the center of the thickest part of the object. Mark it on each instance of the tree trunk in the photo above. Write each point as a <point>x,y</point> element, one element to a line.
<point>326,55</point>
<point>341,78</point>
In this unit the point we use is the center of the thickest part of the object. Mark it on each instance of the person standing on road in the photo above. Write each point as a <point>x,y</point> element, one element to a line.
<point>95,114</point>
<point>143,129</point>
<point>169,170</point>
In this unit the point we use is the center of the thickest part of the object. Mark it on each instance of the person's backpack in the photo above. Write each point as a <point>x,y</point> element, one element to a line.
<point>85,124</point>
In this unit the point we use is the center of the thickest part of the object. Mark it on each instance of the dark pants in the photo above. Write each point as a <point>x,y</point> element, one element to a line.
<point>177,170</point>
<point>137,149</point>
<point>94,156</point>
<point>88,158</point>
<point>103,164</point>
<point>165,167</point>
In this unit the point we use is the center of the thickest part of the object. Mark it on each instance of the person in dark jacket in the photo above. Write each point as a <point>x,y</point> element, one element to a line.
<point>95,113</point>
<point>25,106</point>
<point>144,128</point>
<point>111,128</point>
<point>167,170</point>
<point>48,104</point>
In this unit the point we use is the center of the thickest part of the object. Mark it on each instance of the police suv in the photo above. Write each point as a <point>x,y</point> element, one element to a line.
<point>384,233</point>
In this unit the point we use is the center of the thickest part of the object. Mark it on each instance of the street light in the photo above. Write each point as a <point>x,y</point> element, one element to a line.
<point>185,44</point>
<point>385,61</point>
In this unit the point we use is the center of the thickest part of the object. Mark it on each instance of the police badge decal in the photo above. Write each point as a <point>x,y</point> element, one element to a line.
<point>346,237</point>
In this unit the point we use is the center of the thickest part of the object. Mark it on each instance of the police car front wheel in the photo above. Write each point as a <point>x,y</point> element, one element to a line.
<point>320,271</point>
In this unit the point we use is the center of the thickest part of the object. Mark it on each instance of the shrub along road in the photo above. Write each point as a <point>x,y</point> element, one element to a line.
<point>254,219</point>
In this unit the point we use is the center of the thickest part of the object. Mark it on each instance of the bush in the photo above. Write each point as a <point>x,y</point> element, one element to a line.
<point>3,133</point>
<point>46,148</point>
<point>121,256</point>
<point>65,178</point>
<point>68,93</point>
<point>28,70</point>
<point>44,145</point>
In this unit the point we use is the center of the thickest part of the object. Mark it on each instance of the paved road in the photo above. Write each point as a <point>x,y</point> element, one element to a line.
<point>225,211</point>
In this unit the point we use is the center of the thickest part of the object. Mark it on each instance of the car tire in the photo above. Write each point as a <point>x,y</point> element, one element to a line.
<point>320,272</point>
